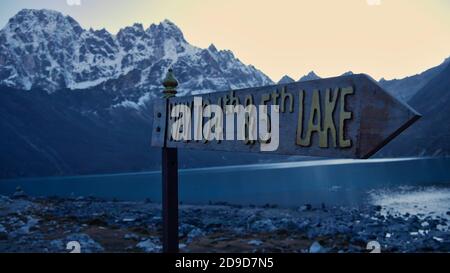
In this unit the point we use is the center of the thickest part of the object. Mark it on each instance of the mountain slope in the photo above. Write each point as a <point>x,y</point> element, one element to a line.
<point>406,88</point>
<point>430,135</point>
<point>286,79</point>
<point>70,133</point>
<point>56,134</point>
<point>43,49</point>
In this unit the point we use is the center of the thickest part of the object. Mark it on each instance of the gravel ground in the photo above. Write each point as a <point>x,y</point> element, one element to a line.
<point>49,224</point>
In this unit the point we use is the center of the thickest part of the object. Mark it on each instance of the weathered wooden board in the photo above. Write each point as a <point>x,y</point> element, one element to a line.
<point>352,117</point>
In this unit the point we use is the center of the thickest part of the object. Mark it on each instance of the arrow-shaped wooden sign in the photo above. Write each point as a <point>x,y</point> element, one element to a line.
<point>342,117</point>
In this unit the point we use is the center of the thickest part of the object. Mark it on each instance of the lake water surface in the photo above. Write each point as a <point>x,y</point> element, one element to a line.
<point>285,184</point>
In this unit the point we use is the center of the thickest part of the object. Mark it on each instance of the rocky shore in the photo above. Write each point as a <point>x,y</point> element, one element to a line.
<point>48,224</point>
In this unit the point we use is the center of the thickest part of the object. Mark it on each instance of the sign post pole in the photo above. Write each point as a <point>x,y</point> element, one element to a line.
<point>169,179</point>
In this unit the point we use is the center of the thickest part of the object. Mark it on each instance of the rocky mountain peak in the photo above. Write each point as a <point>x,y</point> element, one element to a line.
<point>309,77</point>
<point>166,30</point>
<point>48,50</point>
<point>286,79</point>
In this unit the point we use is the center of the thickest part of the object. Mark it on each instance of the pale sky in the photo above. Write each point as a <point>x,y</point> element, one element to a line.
<point>383,38</point>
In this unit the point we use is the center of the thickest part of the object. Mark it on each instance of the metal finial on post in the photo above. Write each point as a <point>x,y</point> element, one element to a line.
<point>170,84</point>
<point>169,178</point>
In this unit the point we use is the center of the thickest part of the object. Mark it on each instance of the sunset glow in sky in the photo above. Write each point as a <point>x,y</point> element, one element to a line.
<point>383,38</point>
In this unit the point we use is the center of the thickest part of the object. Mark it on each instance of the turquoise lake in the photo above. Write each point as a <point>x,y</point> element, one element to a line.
<point>285,184</point>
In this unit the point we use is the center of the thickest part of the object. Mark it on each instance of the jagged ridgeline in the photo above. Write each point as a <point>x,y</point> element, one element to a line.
<point>47,50</point>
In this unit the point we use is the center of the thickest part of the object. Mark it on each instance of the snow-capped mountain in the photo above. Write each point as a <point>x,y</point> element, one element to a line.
<point>47,50</point>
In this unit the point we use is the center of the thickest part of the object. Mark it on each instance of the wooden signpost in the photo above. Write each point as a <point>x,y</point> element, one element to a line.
<point>342,117</point>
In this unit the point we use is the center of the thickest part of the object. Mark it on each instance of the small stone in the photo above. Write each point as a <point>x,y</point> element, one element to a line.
<point>149,246</point>
<point>194,233</point>
<point>265,225</point>
<point>255,242</point>
<point>19,193</point>
<point>305,207</point>
<point>184,229</point>
<point>377,208</point>
<point>288,224</point>
<point>422,232</point>
<point>316,247</point>
<point>131,236</point>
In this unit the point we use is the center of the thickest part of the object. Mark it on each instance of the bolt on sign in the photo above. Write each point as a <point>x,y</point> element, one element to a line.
<point>342,117</point>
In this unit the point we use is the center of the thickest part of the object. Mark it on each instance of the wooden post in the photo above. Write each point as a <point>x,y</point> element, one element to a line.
<point>170,179</point>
